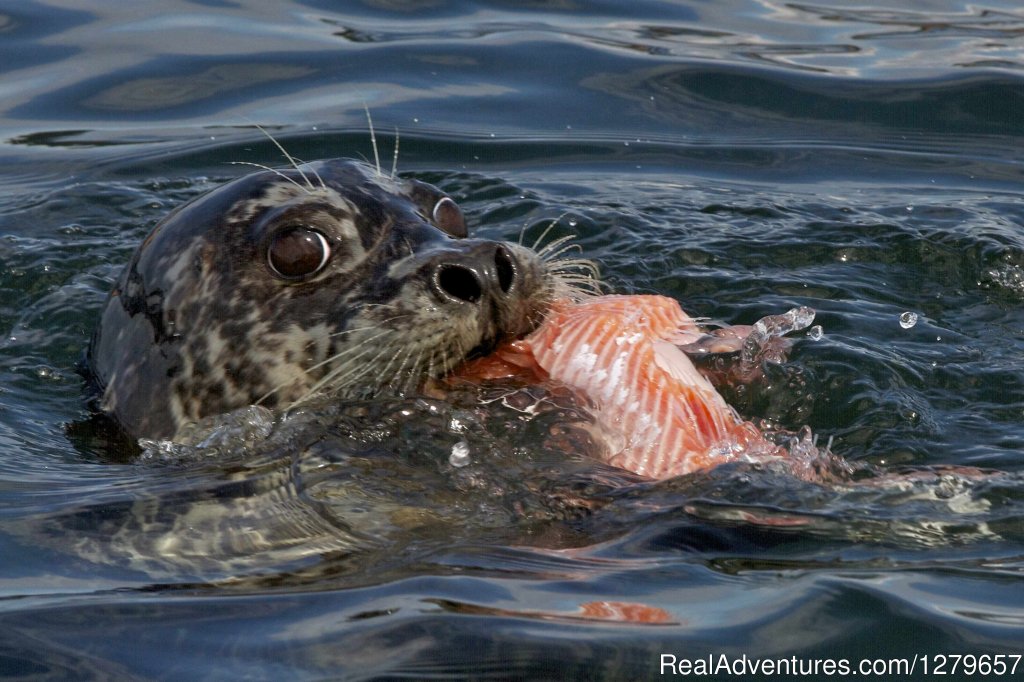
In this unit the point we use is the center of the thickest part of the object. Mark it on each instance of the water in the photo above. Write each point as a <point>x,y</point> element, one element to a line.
<point>746,158</point>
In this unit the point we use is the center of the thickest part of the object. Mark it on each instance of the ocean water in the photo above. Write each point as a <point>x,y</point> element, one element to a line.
<point>743,157</point>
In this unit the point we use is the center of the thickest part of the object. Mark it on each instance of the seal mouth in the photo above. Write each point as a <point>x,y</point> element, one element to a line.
<point>482,349</point>
<point>512,323</point>
<point>519,328</point>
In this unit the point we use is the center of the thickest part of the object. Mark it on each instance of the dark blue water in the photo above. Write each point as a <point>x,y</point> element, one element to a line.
<point>742,157</point>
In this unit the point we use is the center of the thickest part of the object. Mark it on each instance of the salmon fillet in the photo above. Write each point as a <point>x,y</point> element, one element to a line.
<point>621,352</point>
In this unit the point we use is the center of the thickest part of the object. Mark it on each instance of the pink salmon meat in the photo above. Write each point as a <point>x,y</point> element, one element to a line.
<point>622,353</point>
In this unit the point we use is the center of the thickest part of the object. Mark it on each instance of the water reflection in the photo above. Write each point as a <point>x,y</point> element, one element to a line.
<point>154,93</point>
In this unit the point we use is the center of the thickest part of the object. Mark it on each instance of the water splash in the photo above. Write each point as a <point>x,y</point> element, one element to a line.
<point>908,319</point>
<point>763,341</point>
<point>212,436</point>
<point>460,455</point>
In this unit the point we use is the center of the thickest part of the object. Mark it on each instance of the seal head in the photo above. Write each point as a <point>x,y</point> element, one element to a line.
<point>329,278</point>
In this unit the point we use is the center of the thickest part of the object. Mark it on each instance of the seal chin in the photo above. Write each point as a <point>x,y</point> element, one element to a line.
<point>276,288</point>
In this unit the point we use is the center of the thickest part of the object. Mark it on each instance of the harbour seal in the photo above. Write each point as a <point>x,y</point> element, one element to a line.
<point>283,285</point>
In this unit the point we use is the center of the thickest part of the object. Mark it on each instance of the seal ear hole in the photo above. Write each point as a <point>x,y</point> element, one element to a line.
<point>297,252</point>
<point>448,216</point>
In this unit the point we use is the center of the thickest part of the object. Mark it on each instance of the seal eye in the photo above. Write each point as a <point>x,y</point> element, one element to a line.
<point>298,252</point>
<point>448,216</point>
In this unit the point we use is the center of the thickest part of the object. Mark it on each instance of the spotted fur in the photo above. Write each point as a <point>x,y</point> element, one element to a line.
<point>199,324</point>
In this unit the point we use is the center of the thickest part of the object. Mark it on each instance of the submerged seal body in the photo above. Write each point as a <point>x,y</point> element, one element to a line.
<point>282,285</point>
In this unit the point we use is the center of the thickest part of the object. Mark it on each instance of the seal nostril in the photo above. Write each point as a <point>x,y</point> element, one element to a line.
<point>459,282</point>
<point>506,269</point>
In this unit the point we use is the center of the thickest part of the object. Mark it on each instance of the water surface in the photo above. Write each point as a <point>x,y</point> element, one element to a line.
<point>742,157</point>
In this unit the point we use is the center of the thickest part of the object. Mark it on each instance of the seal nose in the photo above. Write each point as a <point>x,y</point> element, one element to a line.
<point>487,270</point>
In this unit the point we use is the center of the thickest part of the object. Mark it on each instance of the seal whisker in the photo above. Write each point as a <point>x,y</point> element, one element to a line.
<point>450,362</point>
<point>548,248</point>
<point>315,173</point>
<point>522,232</point>
<point>333,358</point>
<point>272,170</point>
<point>341,354</point>
<point>445,362</point>
<point>373,140</point>
<point>544,234</point>
<point>344,374</point>
<point>582,266</point>
<point>386,375</point>
<point>585,287</point>
<point>354,371</point>
<point>375,325</point>
<point>439,364</point>
<point>576,271</point>
<point>463,351</point>
<point>428,368</point>
<point>411,378</point>
<point>404,375</point>
<point>366,305</point>
<point>382,373</point>
<point>291,159</point>
<point>587,281</point>
<point>394,160</point>
<point>409,371</point>
<point>574,279</point>
<point>558,247</point>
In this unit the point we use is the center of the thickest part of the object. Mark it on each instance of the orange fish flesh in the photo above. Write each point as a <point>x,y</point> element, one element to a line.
<point>664,418</point>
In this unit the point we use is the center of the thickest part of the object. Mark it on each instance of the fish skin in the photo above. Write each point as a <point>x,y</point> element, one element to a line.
<point>622,354</point>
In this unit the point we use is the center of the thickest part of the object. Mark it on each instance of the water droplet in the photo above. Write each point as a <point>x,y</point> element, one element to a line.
<point>573,222</point>
<point>816,333</point>
<point>460,454</point>
<point>459,423</point>
<point>908,319</point>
